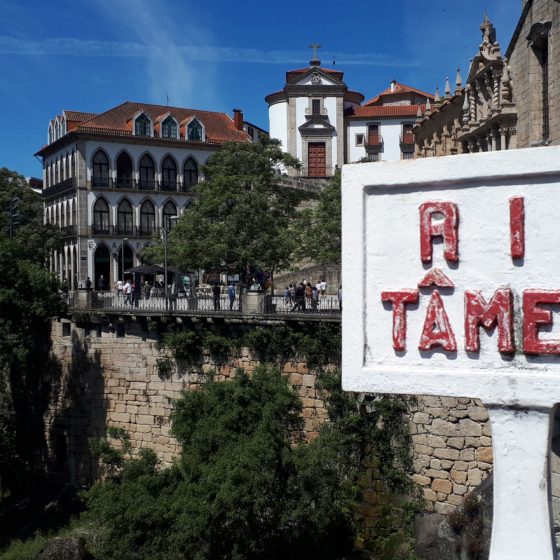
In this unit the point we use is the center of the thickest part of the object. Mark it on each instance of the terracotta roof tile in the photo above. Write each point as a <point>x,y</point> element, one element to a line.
<point>78,116</point>
<point>336,73</point>
<point>399,89</point>
<point>219,127</point>
<point>385,111</point>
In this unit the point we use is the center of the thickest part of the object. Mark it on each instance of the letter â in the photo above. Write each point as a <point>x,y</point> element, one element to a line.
<point>499,312</point>
<point>399,299</point>
<point>437,331</point>
<point>534,317</point>
<point>517,226</point>
<point>448,229</point>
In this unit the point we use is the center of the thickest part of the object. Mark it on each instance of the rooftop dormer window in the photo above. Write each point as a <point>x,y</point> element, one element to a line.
<point>169,128</point>
<point>194,131</point>
<point>142,126</point>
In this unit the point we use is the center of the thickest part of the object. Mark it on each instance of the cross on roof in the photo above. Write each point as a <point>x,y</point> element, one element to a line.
<point>314,46</point>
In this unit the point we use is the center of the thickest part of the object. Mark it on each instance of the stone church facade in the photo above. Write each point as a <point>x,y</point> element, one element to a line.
<point>509,100</point>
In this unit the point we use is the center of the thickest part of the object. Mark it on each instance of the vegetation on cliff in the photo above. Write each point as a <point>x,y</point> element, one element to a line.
<point>29,298</point>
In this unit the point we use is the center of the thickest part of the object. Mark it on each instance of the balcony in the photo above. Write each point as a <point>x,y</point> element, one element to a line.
<point>374,142</point>
<point>124,182</point>
<point>168,186</point>
<point>407,140</point>
<point>147,184</point>
<point>69,231</point>
<point>101,182</point>
<point>188,187</point>
<point>124,231</point>
<point>58,188</point>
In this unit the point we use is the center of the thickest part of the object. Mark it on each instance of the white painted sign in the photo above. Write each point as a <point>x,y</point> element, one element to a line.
<point>451,274</point>
<point>451,278</point>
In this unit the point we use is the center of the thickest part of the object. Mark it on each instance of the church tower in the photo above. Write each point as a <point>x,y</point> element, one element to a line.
<point>307,116</point>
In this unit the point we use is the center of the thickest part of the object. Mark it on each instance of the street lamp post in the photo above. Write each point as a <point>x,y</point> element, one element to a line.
<point>122,256</point>
<point>166,228</point>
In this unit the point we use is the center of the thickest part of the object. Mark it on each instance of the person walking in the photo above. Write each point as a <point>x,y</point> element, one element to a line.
<point>128,293</point>
<point>323,287</point>
<point>314,299</point>
<point>88,283</point>
<point>147,289</point>
<point>120,287</point>
<point>102,284</point>
<point>216,291</point>
<point>308,295</point>
<point>231,295</point>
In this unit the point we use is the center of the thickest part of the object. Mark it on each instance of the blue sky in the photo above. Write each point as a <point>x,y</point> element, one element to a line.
<point>90,55</point>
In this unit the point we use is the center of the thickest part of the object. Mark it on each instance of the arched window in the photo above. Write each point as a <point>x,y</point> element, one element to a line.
<point>147,218</point>
<point>125,218</point>
<point>190,174</point>
<point>124,171</point>
<point>143,126</point>
<point>100,169</point>
<point>147,170</point>
<point>56,172</point>
<point>169,128</point>
<point>73,164</point>
<point>168,175</point>
<point>68,214</point>
<point>169,210</point>
<point>101,216</point>
<point>194,130</point>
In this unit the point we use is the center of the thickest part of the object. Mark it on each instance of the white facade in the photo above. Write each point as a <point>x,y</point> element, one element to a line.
<point>390,130</point>
<point>322,123</point>
<point>278,122</point>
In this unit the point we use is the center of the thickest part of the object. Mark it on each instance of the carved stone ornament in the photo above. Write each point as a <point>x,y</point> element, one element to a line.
<point>315,78</point>
<point>91,244</point>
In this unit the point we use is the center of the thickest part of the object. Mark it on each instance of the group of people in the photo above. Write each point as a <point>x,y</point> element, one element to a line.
<point>217,292</point>
<point>304,295</point>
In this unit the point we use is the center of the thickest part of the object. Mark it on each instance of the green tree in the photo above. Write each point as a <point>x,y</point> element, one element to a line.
<point>322,226</point>
<point>28,300</point>
<point>245,486</point>
<point>241,217</point>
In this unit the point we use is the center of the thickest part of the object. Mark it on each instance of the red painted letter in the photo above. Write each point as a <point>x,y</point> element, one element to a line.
<point>448,229</point>
<point>498,312</point>
<point>437,331</point>
<point>534,316</point>
<point>517,226</point>
<point>399,300</point>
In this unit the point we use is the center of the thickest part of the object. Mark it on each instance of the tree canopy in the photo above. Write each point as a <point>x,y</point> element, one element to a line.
<point>243,488</point>
<point>240,217</point>
<point>322,240</point>
<point>28,299</point>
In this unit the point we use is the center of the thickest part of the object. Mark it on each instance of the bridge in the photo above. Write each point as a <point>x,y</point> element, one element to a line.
<point>250,307</point>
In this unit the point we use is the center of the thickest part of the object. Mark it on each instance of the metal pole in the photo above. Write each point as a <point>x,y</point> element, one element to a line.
<point>165,226</point>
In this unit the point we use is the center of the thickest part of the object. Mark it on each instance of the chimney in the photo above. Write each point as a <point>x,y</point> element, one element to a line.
<point>238,119</point>
<point>393,86</point>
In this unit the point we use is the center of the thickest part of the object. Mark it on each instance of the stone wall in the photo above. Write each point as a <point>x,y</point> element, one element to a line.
<point>527,74</point>
<point>114,381</point>
<point>452,448</point>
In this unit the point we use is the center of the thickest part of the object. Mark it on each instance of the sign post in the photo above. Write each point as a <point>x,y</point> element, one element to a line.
<point>451,273</point>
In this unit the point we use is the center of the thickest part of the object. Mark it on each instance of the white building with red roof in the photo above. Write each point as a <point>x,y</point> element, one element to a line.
<point>112,180</point>
<point>381,128</point>
<point>323,123</point>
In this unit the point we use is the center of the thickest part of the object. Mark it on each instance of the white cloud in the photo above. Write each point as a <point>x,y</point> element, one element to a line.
<point>78,47</point>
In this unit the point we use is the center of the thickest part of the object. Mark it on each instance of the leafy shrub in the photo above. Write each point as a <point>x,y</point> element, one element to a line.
<point>220,347</point>
<point>164,367</point>
<point>28,550</point>
<point>241,489</point>
<point>185,345</point>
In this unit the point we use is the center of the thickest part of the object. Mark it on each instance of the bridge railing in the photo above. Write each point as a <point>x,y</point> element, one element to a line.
<point>203,303</point>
